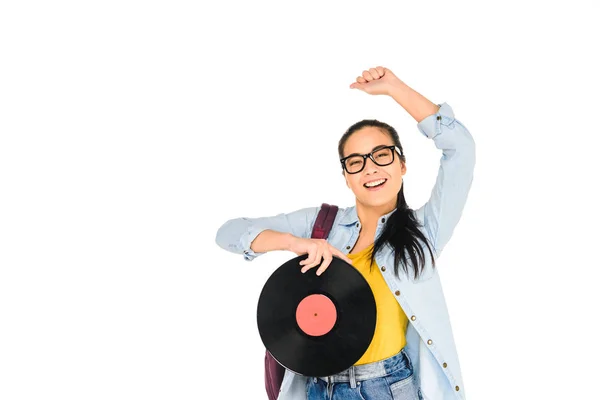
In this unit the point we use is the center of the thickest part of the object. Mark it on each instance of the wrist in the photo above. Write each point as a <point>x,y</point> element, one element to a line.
<point>287,241</point>
<point>398,91</point>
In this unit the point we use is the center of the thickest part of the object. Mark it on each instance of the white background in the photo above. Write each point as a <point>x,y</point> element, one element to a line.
<point>131,131</point>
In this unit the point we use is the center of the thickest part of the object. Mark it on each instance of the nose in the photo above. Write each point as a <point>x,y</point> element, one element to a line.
<point>370,165</point>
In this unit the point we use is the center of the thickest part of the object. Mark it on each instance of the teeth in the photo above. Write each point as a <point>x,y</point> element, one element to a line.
<point>374,183</point>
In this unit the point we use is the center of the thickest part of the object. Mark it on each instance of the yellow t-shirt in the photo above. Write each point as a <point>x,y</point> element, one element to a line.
<point>390,328</point>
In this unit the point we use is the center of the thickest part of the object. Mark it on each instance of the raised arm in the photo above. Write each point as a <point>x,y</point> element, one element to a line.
<point>443,210</point>
<point>441,213</point>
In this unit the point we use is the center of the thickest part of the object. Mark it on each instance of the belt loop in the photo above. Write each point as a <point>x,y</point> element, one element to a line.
<point>352,378</point>
<point>408,360</point>
<point>329,387</point>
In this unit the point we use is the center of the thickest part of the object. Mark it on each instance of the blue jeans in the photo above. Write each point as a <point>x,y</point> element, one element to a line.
<point>389,379</point>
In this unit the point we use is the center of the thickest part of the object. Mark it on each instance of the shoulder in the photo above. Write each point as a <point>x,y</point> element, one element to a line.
<point>344,216</point>
<point>419,214</point>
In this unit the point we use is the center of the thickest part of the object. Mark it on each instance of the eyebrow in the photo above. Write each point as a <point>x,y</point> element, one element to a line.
<point>373,149</point>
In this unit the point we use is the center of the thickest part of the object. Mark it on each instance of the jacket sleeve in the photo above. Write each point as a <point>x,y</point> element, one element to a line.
<point>444,208</point>
<point>236,235</point>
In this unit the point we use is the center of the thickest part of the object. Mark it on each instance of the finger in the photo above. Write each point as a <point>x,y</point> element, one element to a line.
<point>314,262</point>
<point>359,84</point>
<point>381,71</point>
<point>317,259</point>
<point>327,258</point>
<point>342,256</point>
<point>309,259</point>
<point>367,75</point>
<point>375,73</point>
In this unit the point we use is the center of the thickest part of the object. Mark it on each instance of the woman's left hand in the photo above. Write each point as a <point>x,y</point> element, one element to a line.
<point>377,80</point>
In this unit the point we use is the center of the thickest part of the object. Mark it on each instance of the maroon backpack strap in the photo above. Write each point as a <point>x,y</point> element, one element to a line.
<point>324,221</point>
<point>274,373</point>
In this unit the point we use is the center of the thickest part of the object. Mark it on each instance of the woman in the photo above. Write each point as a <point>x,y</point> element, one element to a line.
<point>412,354</point>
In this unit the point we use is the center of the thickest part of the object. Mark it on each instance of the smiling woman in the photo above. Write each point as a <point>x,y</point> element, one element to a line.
<point>376,180</point>
<point>412,354</point>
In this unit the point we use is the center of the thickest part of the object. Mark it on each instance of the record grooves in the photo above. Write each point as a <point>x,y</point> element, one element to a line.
<point>316,325</point>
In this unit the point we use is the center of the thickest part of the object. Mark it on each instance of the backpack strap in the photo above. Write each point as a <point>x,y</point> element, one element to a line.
<point>274,371</point>
<point>324,221</point>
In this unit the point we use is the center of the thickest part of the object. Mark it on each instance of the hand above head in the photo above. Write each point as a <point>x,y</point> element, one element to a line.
<point>376,81</point>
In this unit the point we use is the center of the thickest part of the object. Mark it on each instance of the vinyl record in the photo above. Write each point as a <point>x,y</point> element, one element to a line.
<point>316,325</point>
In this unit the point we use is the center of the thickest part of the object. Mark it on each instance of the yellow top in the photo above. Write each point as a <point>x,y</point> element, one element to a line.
<point>390,328</point>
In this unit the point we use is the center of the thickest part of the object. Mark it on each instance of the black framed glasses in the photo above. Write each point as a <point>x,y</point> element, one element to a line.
<point>383,156</point>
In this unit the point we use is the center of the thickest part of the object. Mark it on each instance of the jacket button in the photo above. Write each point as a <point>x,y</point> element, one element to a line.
<point>457,388</point>
<point>347,247</point>
<point>445,365</point>
<point>357,224</point>
<point>382,219</point>
<point>383,268</point>
<point>429,341</point>
<point>397,293</point>
<point>413,317</point>
<point>439,117</point>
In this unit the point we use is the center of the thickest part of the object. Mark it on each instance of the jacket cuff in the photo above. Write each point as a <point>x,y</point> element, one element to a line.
<point>246,241</point>
<point>430,127</point>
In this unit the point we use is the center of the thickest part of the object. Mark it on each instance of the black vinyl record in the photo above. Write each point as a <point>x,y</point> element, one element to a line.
<point>316,325</point>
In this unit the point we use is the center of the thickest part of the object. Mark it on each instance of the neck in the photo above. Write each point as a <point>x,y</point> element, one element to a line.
<point>369,215</point>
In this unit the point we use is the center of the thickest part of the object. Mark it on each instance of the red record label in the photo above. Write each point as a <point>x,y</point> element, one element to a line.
<point>316,315</point>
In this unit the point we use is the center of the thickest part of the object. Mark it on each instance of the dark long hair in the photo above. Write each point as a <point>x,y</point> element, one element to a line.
<point>401,230</point>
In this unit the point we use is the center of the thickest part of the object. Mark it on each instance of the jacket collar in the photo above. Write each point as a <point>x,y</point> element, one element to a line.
<point>350,216</point>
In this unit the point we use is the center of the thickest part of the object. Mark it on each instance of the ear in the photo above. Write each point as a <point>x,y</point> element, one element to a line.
<point>403,168</point>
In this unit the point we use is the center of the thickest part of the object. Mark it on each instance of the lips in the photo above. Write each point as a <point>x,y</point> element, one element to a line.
<point>374,188</point>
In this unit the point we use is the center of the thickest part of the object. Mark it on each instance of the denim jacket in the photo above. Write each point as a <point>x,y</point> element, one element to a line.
<point>429,339</point>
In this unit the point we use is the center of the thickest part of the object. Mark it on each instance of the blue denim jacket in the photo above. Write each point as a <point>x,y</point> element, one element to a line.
<point>430,342</point>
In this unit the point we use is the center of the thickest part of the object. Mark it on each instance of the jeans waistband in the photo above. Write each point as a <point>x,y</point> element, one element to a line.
<point>372,370</point>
